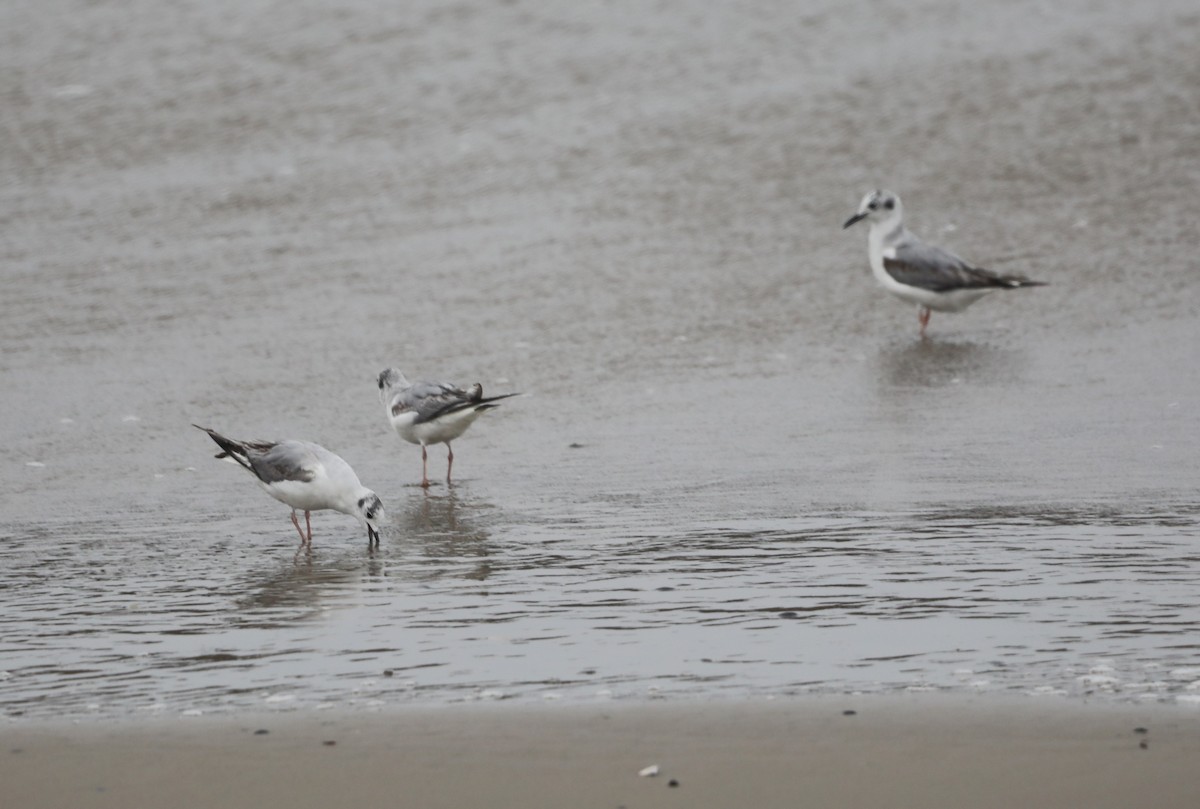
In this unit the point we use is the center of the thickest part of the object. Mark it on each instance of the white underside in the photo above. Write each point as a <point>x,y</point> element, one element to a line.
<point>315,495</point>
<point>954,300</point>
<point>439,431</point>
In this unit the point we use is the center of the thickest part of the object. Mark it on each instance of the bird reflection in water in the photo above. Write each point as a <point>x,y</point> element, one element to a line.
<point>445,529</point>
<point>432,537</point>
<point>297,591</point>
<point>936,364</point>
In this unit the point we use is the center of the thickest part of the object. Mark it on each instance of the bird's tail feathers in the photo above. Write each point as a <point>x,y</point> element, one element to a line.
<point>486,402</point>
<point>230,450</point>
<point>477,403</point>
<point>1010,281</point>
<point>1017,281</point>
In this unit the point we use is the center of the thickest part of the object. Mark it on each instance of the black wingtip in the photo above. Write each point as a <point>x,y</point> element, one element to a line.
<point>489,399</point>
<point>229,447</point>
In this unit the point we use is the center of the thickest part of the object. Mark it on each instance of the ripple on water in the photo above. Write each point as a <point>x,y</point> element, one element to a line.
<point>463,601</point>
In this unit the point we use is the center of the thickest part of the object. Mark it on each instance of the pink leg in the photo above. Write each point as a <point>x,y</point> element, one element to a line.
<point>923,315</point>
<point>449,460</point>
<point>424,468</point>
<point>308,525</point>
<point>296,522</point>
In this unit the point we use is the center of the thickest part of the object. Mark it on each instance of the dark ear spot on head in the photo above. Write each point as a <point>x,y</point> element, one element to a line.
<point>370,506</point>
<point>889,203</point>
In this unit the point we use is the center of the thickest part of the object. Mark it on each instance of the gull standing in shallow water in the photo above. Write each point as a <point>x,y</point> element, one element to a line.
<point>932,278</point>
<point>431,412</point>
<point>307,477</point>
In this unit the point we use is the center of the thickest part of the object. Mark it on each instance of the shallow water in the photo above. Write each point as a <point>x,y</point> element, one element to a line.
<point>462,602</point>
<point>735,471</point>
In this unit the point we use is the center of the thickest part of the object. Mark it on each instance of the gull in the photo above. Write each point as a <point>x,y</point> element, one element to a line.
<point>431,412</point>
<point>307,477</point>
<point>910,269</point>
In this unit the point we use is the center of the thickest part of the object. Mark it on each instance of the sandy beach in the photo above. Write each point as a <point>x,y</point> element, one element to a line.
<point>897,752</point>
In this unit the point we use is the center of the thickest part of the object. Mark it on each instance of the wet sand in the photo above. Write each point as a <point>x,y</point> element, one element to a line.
<point>228,215</point>
<point>895,752</point>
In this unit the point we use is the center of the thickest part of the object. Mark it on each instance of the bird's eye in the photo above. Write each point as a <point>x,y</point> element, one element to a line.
<point>873,205</point>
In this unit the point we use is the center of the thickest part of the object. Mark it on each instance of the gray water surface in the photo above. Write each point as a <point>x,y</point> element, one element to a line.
<point>461,603</point>
<point>735,471</point>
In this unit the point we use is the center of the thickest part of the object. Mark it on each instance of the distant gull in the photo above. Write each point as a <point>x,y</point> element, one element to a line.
<point>932,278</point>
<point>431,412</point>
<point>307,477</point>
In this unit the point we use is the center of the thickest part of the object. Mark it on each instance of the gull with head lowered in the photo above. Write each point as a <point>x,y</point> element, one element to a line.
<point>307,477</point>
<point>924,274</point>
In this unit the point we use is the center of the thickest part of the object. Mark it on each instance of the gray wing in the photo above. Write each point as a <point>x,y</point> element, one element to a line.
<point>287,460</point>
<point>433,399</point>
<point>925,266</point>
